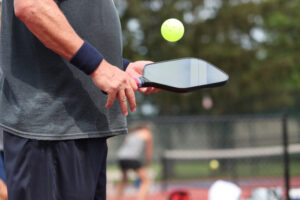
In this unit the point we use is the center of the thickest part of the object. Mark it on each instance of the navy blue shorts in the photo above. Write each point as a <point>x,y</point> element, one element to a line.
<point>130,164</point>
<point>55,170</point>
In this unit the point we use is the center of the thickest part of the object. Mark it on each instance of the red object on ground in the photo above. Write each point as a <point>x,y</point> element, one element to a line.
<point>179,195</point>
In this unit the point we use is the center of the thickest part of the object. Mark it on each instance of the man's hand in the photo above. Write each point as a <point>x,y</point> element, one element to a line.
<point>135,69</point>
<point>117,84</point>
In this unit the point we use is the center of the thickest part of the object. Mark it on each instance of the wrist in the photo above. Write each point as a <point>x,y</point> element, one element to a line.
<point>101,67</point>
<point>87,58</point>
<point>126,63</point>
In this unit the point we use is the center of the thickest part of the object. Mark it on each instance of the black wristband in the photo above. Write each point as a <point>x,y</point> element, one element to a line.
<point>126,63</point>
<point>87,58</point>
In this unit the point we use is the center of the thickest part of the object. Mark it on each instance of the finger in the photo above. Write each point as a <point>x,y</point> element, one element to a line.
<point>135,74</point>
<point>131,99</point>
<point>143,90</point>
<point>154,90</point>
<point>148,90</point>
<point>110,99</point>
<point>123,102</point>
<point>133,84</point>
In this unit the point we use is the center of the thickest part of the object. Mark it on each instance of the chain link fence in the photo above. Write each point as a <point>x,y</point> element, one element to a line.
<point>247,150</point>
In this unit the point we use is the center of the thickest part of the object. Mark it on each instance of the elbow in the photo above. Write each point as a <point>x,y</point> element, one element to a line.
<point>23,9</point>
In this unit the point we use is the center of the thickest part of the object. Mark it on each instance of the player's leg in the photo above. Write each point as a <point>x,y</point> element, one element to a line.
<point>18,159</point>
<point>53,170</point>
<point>122,184</point>
<point>100,193</point>
<point>145,182</point>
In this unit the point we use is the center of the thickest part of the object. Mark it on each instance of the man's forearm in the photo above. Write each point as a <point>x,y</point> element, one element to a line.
<point>47,22</point>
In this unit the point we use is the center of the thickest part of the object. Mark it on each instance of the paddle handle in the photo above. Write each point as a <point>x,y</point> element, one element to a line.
<point>140,81</point>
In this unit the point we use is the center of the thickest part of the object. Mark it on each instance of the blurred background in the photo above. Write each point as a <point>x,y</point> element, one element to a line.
<point>246,132</point>
<point>255,41</point>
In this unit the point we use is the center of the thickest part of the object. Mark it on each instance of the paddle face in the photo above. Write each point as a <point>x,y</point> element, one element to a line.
<point>182,75</point>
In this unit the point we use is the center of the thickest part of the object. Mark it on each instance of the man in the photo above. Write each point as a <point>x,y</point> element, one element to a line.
<point>62,72</point>
<point>136,154</point>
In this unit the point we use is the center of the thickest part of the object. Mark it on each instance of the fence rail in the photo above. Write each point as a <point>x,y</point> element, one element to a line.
<point>229,153</point>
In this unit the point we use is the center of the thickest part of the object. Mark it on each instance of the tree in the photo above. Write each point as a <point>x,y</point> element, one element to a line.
<point>254,41</point>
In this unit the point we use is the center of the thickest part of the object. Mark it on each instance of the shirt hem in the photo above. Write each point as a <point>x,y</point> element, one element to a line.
<point>66,136</point>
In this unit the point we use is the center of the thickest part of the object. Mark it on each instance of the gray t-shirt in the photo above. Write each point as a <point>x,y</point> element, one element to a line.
<point>43,96</point>
<point>133,148</point>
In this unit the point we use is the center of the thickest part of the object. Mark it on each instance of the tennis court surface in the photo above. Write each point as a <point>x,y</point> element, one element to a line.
<point>253,152</point>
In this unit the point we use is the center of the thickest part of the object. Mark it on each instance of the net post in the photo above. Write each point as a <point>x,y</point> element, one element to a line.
<point>286,158</point>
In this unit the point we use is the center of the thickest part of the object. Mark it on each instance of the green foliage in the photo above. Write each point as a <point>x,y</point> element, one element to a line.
<point>256,42</point>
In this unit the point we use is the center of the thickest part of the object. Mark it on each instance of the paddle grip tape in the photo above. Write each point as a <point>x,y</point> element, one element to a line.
<point>87,58</point>
<point>138,82</point>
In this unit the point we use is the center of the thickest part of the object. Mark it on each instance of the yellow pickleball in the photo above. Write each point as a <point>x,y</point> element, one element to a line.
<point>172,30</point>
<point>214,164</point>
